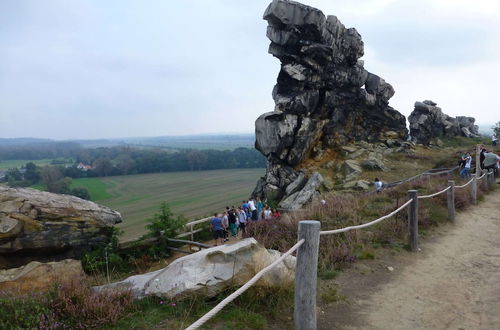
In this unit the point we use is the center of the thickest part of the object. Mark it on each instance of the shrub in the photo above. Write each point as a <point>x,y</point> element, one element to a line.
<point>163,225</point>
<point>66,306</point>
<point>75,305</point>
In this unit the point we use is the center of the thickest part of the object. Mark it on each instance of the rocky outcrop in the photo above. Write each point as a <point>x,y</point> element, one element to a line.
<point>428,122</point>
<point>324,98</point>
<point>37,276</point>
<point>37,225</point>
<point>211,271</point>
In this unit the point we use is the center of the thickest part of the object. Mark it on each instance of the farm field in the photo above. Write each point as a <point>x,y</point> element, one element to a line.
<point>192,194</point>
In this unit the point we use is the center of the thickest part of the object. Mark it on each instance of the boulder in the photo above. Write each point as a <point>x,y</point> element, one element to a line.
<point>357,185</point>
<point>210,271</point>
<point>37,225</point>
<point>374,164</point>
<point>37,276</point>
<point>296,200</point>
<point>428,122</point>
<point>325,101</point>
<point>352,169</point>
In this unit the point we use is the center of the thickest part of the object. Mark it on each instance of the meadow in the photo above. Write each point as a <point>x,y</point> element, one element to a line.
<point>194,194</point>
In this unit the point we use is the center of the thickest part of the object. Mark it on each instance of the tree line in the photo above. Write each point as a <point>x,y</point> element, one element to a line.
<point>125,161</point>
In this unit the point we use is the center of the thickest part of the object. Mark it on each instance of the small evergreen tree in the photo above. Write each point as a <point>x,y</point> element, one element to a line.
<point>163,225</point>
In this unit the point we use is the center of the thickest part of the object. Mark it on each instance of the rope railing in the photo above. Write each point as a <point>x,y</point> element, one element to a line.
<point>435,194</point>
<point>342,230</point>
<point>465,185</point>
<point>307,256</point>
<point>242,289</point>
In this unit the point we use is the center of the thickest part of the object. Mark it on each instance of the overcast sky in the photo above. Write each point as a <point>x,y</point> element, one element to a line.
<point>101,69</point>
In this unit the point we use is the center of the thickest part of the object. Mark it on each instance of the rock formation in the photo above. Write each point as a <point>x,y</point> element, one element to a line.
<point>211,271</point>
<point>428,122</point>
<point>37,225</point>
<point>37,276</point>
<point>324,99</point>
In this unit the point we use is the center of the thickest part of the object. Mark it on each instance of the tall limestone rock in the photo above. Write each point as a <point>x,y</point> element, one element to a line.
<point>324,99</point>
<point>37,225</point>
<point>428,122</point>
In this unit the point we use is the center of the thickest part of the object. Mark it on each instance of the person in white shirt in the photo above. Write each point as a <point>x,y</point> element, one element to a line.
<point>378,185</point>
<point>268,214</point>
<point>253,209</point>
<point>464,173</point>
<point>493,139</point>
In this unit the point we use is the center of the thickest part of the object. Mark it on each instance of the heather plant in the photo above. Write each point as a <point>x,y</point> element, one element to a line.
<point>70,305</point>
<point>356,208</point>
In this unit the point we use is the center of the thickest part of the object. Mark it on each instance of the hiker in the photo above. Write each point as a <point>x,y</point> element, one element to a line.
<point>481,156</point>
<point>225,224</point>
<point>253,209</point>
<point>217,228</point>
<point>232,218</point>
<point>378,185</point>
<point>491,161</point>
<point>464,173</point>
<point>461,162</point>
<point>493,140</point>
<point>260,207</point>
<point>242,220</point>
<point>267,214</point>
<point>244,206</point>
<point>276,214</point>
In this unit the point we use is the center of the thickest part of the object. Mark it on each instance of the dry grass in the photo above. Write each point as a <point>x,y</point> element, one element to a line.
<point>353,209</point>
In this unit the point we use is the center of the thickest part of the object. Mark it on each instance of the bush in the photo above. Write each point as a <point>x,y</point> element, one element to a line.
<point>163,225</point>
<point>65,306</point>
<point>80,192</point>
<point>95,261</point>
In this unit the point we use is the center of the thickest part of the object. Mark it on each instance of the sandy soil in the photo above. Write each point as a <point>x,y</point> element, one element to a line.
<point>452,283</point>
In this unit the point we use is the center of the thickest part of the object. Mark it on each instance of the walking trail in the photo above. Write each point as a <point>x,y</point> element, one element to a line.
<point>452,283</point>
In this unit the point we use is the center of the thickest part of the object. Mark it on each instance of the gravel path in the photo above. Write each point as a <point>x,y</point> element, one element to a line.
<point>453,283</point>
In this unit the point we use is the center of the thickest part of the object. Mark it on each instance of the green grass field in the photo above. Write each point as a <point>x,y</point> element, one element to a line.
<point>192,194</point>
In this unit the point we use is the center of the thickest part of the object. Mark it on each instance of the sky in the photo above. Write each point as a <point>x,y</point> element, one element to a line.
<point>84,69</point>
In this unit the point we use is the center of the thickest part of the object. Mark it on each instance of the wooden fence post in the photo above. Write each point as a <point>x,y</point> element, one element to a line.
<point>413,220</point>
<point>491,179</point>
<point>306,273</point>
<point>478,163</point>
<point>473,189</point>
<point>451,200</point>
<point>484,180</point>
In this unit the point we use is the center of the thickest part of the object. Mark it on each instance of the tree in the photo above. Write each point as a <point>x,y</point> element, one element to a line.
<point>32,174</point>
<point>80,192</point>
<point>54,180</point>
<point>496,129</point>
<point>103,166</point>
<point>163,225</point>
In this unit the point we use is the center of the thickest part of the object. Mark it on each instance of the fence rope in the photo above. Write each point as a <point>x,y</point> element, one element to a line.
<point>482,176</point>
<point>242,289</point>
<point>435,194</point>
<point>465,185</point>
<point>341,230</point>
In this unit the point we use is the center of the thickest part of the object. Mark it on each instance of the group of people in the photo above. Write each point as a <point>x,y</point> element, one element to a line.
<point>234,219</point>
<point>488,160</point>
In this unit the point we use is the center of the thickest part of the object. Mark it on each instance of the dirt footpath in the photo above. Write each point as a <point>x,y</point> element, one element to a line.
<point>452,283</point>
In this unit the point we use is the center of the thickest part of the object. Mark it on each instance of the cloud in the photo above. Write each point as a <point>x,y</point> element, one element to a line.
<point>89,69</point>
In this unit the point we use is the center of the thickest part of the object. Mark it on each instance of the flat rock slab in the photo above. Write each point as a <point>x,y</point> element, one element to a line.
<point>211,271</point>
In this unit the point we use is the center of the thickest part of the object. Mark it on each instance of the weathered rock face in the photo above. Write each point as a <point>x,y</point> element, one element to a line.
<point>37,276</point>
<point>36,225</point>
<point>211,271</point>
<point>428,122</point>
<point>324,97</point>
